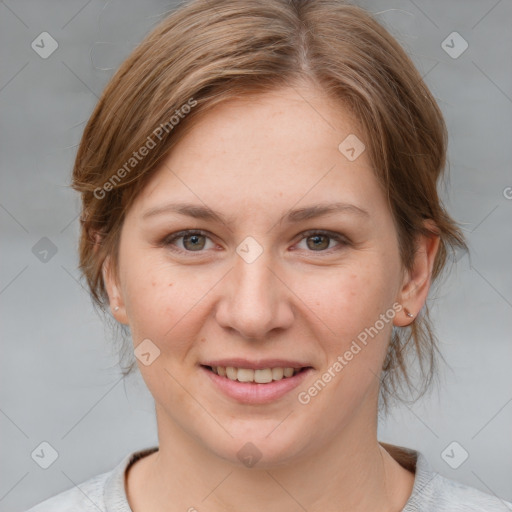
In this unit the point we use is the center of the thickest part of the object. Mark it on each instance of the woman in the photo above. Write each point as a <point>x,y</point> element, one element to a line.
<point>260,209</point>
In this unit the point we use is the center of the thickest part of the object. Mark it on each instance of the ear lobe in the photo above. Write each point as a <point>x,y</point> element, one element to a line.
<point>116,301</point>
<point>418,278</point>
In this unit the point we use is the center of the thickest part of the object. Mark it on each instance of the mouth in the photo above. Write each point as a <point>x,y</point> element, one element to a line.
<point>255,386</point>
<point>257,376</point>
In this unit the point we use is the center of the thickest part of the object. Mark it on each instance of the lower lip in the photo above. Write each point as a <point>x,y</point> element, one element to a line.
<point>253,392</point>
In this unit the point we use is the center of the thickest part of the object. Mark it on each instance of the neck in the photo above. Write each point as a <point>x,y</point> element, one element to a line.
<point>352,471</point>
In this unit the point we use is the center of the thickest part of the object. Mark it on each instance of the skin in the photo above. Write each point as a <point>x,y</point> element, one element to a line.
<point>253,160</point>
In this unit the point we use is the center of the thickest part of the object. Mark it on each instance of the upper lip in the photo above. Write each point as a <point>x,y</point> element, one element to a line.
<point>239,362</point>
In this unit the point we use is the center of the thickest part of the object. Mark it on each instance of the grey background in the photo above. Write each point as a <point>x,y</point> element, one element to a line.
<point>60,383</point>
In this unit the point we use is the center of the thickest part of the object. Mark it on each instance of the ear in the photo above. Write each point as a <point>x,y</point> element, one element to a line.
<point>114,292</point>
<point>417,280</point>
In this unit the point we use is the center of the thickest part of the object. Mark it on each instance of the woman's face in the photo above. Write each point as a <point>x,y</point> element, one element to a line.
<point>271,281</point>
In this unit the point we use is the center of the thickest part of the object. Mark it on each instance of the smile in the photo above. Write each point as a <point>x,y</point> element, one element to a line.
<point>263,376</point>
<point>258,386</point>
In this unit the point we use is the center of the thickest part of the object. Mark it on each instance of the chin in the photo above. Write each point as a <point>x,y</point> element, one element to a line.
<point>260,447</point>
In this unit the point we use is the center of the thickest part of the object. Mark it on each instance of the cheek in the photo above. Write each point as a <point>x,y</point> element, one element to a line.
<point>346,297</point>
<point>163,304</point>
<point>150,297</point>
<point>347,304</point>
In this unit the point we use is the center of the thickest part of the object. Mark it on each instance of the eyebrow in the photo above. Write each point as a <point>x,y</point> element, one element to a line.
<point>293,216</point>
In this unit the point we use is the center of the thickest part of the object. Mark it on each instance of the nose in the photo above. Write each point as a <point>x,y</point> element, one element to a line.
<point>255,299</point>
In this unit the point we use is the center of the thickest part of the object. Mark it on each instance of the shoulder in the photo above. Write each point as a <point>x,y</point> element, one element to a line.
<point>105,491</point>
<point>87,496</point>
<point>433,492</point>
<point>446,495</point>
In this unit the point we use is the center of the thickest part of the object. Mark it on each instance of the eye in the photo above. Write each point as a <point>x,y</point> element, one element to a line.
<point>319,240</point>
<point>193,240</point>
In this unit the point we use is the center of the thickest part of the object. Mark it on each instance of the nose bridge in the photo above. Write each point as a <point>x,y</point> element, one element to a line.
<point>255,303</point>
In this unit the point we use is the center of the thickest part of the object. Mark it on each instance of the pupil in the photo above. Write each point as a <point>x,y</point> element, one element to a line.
<point>194,240</point>
<point>317,243</point>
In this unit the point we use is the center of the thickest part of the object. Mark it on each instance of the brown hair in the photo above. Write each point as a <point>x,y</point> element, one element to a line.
<point>206,52</point>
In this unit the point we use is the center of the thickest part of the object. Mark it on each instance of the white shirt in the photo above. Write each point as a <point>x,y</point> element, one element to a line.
<point>431,492</point>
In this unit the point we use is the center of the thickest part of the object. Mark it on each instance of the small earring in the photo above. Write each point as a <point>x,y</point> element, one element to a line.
<point>408,313</point>
<point>116,308</point>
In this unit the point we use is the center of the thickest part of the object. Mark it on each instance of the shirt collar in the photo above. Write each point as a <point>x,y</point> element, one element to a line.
<point>115,491</point>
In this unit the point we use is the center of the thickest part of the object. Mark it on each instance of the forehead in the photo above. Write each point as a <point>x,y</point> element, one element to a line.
<point>290,121</point>
<point>282,146</point>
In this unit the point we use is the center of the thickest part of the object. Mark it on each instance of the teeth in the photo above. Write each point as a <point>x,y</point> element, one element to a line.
<point>231,373</point>
<point>262,376</point>
<point>288,372</point>
<point>277,373</point>
<point>259,376</point>
<point>244,375</point>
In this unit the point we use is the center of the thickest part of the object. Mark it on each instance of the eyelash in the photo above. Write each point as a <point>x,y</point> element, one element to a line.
<point>168,241</point>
